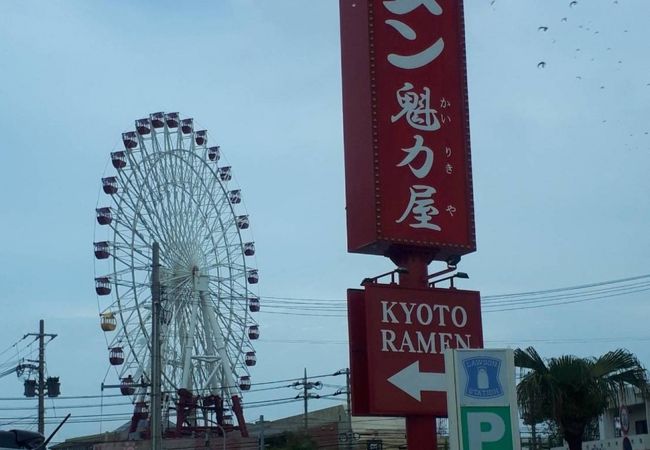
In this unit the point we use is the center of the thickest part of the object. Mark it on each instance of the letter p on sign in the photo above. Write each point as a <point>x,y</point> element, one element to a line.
<point>486,428</point>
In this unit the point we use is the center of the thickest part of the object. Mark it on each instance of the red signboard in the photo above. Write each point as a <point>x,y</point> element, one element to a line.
<point>406,127</point>
<point>397,339</point>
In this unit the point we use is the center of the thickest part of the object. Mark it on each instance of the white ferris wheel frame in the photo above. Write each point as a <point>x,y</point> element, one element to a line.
<point>172,192</point>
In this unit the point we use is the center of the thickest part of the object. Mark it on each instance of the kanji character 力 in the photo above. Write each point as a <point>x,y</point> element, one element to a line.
<point>413,152</point>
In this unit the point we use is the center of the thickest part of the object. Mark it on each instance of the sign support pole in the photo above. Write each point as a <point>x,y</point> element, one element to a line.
<point>420,430</point>
<point>421,433</point>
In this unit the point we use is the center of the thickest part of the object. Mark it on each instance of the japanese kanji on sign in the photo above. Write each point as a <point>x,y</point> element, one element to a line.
<point>407,152</point>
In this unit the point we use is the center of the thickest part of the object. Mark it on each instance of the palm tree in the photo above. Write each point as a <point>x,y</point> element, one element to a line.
<point>532,410</point>
<point>573,391</point>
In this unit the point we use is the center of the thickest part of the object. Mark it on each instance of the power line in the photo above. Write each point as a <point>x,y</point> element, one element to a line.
<point>328,302</point>
<point>584,293</point>
<point>311,307</point>
<point>492,341</point>
<point>292,313</point>
<point>122,416</point>
<point>25,408</point>
<point>558,303</point>
<point>570,288</point>
<point>491,303</point>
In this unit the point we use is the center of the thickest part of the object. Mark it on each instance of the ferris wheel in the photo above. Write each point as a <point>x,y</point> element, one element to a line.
<point>170,188</point>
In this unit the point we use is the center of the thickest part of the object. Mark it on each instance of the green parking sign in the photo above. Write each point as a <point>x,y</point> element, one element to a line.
<point>486,428</point>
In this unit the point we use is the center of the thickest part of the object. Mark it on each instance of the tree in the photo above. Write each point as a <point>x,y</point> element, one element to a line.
<point>572,391</point>
<point>532,410</point>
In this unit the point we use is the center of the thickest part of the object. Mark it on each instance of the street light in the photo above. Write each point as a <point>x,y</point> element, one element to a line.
<point>462,275</point>
<point>452,264</point>
<point>391,273</point>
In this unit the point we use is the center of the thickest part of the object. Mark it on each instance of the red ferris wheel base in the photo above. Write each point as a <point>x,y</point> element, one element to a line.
<point>239,413</point>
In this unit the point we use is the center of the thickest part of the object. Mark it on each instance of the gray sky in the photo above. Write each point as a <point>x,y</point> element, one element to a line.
<point>560,154</point>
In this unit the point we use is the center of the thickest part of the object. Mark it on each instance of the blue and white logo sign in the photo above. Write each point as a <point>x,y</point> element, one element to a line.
<point>482,380</point>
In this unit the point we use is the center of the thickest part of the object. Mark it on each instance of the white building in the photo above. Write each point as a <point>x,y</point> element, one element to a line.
<point>611,430</point>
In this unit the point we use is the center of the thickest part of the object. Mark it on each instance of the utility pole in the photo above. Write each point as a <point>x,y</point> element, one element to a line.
<point>305,394</point>
<point>262,443</point>
<point>156,410</point>
<point>41,376</point>
<point>306,387</point>
<point>41,373</point>
<point>348,402</point>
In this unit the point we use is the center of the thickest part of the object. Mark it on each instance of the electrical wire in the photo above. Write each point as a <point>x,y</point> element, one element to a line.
<point>564,302</point>
<point>312,307</point>
<point>304,306</point>
<point>570,288</point>
<point>261,383</point>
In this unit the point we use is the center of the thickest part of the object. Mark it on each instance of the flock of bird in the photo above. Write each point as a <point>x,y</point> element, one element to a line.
<point>545,28</point>
<point>588,51</point>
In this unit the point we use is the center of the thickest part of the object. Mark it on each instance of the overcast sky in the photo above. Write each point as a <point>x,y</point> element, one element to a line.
<point>561,157</point>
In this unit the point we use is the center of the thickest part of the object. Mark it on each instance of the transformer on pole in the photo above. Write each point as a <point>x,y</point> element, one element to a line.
<point>51,386</point>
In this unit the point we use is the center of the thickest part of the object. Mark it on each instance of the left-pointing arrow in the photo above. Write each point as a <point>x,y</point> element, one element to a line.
<point>413,382</point>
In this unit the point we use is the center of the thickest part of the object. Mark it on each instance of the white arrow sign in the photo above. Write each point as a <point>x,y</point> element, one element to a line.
<point>412,381</point>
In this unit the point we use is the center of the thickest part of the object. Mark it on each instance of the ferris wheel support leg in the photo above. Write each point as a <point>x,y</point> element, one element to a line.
<point>229,380</point>
<point>239,413</point>
<point>212,350</point>
<point>188,347</point>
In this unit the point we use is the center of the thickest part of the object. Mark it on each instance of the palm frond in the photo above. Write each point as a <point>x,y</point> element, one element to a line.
<point>613,362</point>
<point>530,359</point>
<point>617,369</point>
